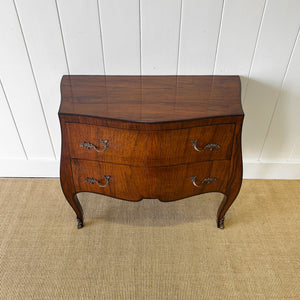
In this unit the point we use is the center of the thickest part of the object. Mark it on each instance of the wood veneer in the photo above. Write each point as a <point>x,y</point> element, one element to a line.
<point>143,133</point>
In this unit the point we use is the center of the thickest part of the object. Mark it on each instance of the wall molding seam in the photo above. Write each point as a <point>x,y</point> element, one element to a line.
<point>62,37</point>
<point>13,119</point>
<point>218,39</point>
<point>271,170</point>
<point>29,168</point>
<point>140,36</point>
<point>179,36</point>
<point>101,37</point>
<point>255,48</point>
<point>35,81</point>
<point>280,93</point>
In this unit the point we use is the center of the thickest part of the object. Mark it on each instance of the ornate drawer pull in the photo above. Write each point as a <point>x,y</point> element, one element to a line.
<point>90,145</point>
<point>93,180</point>
<point>208,146</point>
<point>204,181</point>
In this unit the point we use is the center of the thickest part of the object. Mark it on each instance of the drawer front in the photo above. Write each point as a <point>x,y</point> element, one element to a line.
<point>194,144</point>
<point>187,180</point>
<point>107,144</point>
<point>118,181</point>
<point>164,183</point>
<point>150,148</point>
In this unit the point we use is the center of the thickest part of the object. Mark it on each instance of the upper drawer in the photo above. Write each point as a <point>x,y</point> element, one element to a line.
<point>152,148</point>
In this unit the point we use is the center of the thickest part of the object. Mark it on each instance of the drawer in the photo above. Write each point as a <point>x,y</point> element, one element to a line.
<point>187,180</point>
<point>118,181</point>
<point>164,183</point>
<point>107,144</point>
<point>150,148</point>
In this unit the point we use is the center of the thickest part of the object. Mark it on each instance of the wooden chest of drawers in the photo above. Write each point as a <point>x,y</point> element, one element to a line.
<point>164,137</point>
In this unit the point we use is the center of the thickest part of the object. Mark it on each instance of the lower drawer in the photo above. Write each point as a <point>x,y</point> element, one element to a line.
<point>106,178</point>
<point>135,183</point>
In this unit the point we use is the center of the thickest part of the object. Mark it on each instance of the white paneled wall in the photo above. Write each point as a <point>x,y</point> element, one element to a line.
<point>120,24</point>
<point>160,32</point>
<point>81,32</point>
<point>46,55</point>
<point>276,42</point>
<point>200,27</point>
<point>40,40</point>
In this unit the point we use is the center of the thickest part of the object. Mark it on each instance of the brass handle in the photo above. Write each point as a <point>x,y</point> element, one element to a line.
<point>92,146</point>
<point>93,180</point>
<point>208,146</point>
<point>204,181</point>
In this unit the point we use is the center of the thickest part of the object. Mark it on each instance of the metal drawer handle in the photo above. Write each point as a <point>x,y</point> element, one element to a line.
<point>93,180</point>
<point>90,145</point>
<point>208,146</point>
<point>204,181</point>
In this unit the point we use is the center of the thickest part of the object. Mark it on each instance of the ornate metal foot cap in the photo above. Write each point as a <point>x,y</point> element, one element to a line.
<point>79,223</point>
<point>220,223</point>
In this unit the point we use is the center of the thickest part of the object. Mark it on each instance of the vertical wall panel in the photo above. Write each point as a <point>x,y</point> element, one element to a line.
<point>42,33</point>
<point>199,36</point>
<point>160,22</point>
<point>120,23</point>
<point>285,126</point>
<point>82,35</point>
<point>10,146</point>
<point>240,26</point>
<point>277,37</point>
<point>19,85</point>
<point>295,153</point>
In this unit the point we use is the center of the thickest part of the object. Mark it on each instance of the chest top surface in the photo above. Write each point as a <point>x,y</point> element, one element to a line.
<point>149,99</point>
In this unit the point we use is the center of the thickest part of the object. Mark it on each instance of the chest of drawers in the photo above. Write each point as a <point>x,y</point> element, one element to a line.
<point>162,137</point>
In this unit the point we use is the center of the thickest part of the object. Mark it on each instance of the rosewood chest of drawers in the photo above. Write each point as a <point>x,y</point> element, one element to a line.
<point>162,137</point>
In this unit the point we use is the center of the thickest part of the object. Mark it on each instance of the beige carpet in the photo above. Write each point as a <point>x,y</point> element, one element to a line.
<point>149,250</point>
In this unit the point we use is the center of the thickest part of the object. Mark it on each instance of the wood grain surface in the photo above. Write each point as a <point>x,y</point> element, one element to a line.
<point>134,137</point>
<point>150,148</point>
<point>151,98</point>
<point>163,183</point>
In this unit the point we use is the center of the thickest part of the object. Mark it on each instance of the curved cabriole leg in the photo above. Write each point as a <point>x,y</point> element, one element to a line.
<point>220,223</point>
<point>75,204</point>
<point>224,206</point>
<point>78,210</point>
<point>235,178</point>
<point>79,223</point>
<point>66,176</point>
<point>221,213</point>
